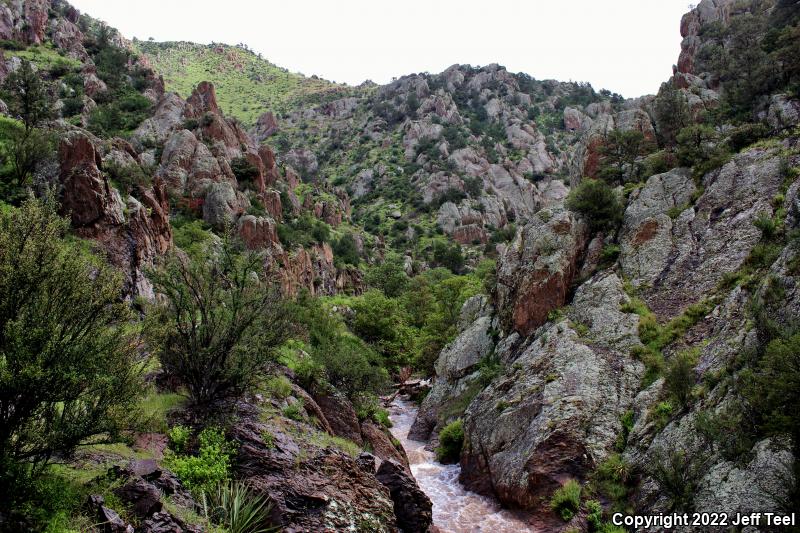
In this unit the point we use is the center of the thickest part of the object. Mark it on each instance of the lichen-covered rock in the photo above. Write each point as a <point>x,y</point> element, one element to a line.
<point>168,116</point>
<point>646,236</point>
<point>222,205</point>
<point>706,241</point>
<point>456,367</point>
<point>552,415</point>
<point>597,305</point>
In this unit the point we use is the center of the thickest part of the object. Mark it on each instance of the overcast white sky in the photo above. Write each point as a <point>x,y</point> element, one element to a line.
<point>627,46</point>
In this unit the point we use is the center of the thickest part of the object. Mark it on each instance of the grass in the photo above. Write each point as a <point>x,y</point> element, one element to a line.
<point>567,500</point>
<point>45,57</point>
<point>246,84</point>
<point>156,407</point>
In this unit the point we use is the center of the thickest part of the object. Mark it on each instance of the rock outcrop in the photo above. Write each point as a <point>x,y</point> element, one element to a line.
<point>555,411</point>
<point>536,271</point>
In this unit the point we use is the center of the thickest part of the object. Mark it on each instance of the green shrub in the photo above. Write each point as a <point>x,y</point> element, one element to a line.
<point>245,321</point>
<point>345,250</point>
<point>279,387</point>
<point>567,500</point>
<point>179,438</point>
<point>594,515</point>
<point>679,378</point>
<point>597,202</point>
<point>382,417</point>
<point>244,171</point>
<point>451,440</point>
<point>767,225</point>
<point>69,367</point>
<point>295,411</point>
<point>210,467</point>
<point>678,473</point>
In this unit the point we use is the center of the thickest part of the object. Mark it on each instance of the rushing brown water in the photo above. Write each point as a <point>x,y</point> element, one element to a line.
<point>455,509</point>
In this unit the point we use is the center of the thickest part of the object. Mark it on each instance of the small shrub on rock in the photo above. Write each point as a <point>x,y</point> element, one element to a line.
<point>597,202</point>
<point>567,500</point>
<point>451,440</point>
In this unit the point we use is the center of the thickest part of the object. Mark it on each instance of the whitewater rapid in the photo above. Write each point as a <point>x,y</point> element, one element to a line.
<point>455,509</point>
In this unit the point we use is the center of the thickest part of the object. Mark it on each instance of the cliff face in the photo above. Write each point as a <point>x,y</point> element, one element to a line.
<point>590,348</point>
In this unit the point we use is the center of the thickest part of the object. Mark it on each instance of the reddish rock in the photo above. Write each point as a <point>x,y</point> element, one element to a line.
<point>271,173</point>
<point>87,195</point>
<point>35,24</point>
<point>272,203</point>
<point>381,444</point>
<point>265,126</point>
<point>257,232</point>
<point>202,100</point>
<point>470,234</point>
<point>340,415</point>
<point>536,272</point>
<point>593,156</point>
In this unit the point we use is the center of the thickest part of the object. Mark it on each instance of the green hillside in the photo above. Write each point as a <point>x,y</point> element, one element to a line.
<point>246,84</point>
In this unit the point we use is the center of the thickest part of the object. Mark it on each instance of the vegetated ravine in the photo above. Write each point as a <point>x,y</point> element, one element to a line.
<point>455,509</point>
<point>593,299</point>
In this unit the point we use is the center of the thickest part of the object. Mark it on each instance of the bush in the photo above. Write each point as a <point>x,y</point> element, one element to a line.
<point>68,367</point>
<point>567,500</point>
<point>451,441</point>
<point>345,250</point>
<point>179,438</point>
<point>211,466</point>
<point>279,387</point>
<point>129,178</point>
<point>390,276</point>
<point>679,378</point>
<point>597,202</point>
<point>244,322</point>
<point>448,256</point>
<point>678,473</point>
<point>244,171</point>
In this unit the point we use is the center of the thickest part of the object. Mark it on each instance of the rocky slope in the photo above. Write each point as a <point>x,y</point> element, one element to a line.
<point>585,349</point>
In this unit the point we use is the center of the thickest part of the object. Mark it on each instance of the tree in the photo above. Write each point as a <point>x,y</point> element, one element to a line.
<point>619,154</point>
<point>26,94</point>
<point>389,276</point>
<point>448,256</point>
<point>23,150</point>
<point>221,323</point>
<point>23,145</point>
<point>67,364</point>
<point>597,202</point>
<point>671,113</point>
<point>345,250</point>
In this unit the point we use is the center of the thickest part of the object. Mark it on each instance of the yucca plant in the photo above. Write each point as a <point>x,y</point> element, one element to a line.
<point>235,506</point>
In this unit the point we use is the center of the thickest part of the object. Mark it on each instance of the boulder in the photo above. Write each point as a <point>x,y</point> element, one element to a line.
<point>265,126</point>
<point>108,518</point>
<point>168,116</point>
<point>257,232</point>
<point>340,414</point>
<point>412,507</point>
<point>380,442</point>
<point>536,270</point>
<point>144,498</point>
<point>553,415</point>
